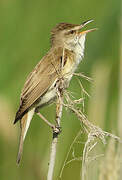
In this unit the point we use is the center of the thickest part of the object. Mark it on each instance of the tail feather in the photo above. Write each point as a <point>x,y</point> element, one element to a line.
<point>24,124</point>
<point>20,150</point>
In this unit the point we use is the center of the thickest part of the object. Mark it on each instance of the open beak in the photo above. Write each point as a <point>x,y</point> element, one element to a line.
<point>86,31</point>
<point>85,23</point>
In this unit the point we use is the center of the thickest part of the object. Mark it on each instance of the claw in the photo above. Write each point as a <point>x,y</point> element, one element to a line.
<point>56,131</point>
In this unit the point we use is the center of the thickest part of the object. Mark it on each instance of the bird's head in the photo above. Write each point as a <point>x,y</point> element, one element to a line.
<point>69,35</point>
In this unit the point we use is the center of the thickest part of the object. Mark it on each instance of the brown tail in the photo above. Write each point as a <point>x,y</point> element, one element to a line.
<point>24,124</point>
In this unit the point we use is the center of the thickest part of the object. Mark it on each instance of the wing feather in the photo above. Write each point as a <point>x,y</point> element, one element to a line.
<point>39,80</point>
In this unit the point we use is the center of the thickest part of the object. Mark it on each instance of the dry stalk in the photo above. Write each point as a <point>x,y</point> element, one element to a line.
<point>93,132</point>
<point>70,148</point>
<point>83,76</point>
<point>56,132</point>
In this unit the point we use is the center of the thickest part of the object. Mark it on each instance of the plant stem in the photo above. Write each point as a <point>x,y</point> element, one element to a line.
<point>56,132</point>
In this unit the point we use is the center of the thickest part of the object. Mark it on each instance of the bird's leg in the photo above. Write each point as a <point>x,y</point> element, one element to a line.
<point>56,128</point>
<point>59,107</point>
<point>46,121</point>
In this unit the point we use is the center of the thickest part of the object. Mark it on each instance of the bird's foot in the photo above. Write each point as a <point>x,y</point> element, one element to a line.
<point>56,131</point>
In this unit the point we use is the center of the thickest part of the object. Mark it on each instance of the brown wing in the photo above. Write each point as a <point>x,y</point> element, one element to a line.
<point>39,80</point>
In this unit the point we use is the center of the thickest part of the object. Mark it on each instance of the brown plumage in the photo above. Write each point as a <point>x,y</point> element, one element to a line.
<point>60,27</point>
<point>37,84</point>
<point>39,80</point>
<point>67,49</point>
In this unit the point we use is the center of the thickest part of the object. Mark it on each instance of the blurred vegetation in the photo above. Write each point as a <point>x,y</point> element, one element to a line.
<point>24,38</point>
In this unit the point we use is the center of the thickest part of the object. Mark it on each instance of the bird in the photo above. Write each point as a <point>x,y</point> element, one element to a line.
<point>62,60</point>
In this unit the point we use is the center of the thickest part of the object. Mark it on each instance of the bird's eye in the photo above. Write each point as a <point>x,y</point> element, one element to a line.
<point>72,32</point>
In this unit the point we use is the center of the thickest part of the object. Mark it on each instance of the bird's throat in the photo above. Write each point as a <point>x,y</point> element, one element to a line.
<point>79,49</point>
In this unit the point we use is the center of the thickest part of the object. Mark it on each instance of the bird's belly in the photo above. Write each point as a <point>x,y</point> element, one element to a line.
<point>47,98</point>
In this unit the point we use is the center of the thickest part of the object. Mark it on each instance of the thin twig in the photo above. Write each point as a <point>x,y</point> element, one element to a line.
<point>96,131</point>
<point>86,150</point>
<point>74,159</point>
<point>65,162</point>
<point>83,76</point>
<point>82,88</point>
<point>93,132</point>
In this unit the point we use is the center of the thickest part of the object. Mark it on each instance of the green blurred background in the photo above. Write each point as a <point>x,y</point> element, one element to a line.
<point>24,39</point>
